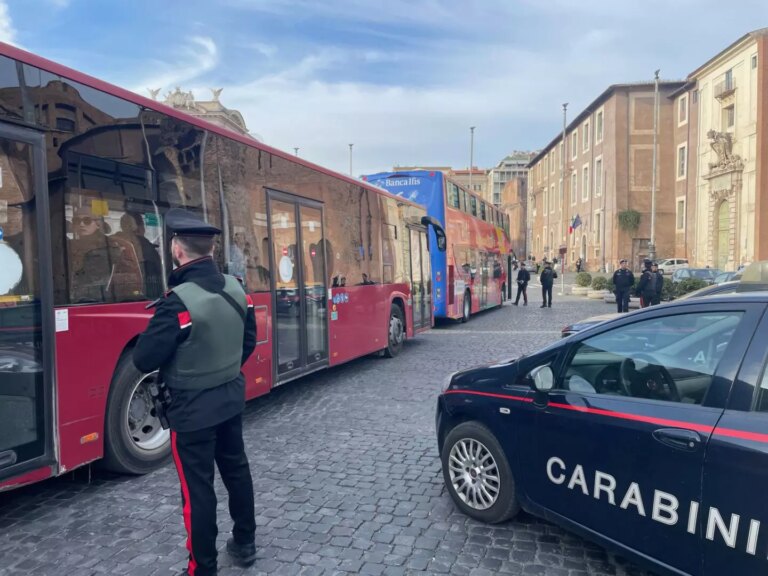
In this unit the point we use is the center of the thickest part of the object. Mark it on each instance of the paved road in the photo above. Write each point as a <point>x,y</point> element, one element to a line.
<point>346,474</point>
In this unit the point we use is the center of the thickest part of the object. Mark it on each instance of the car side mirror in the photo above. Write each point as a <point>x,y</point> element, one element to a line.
<point>543,378</point>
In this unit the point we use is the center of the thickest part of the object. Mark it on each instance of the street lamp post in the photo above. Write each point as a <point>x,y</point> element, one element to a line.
<point>471,153</point>
<point>350,160</point>
<point>296,150</point>
<point>652,244</point>
<point>561,197</point>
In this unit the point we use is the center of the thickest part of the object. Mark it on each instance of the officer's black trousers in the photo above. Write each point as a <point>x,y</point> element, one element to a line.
<point>522,289</point>
<point>622,300</point>
<point>546,296</point>
<point>194,454</point>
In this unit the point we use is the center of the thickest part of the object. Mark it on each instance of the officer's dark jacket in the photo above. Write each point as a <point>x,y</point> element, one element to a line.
<point>523,275</point>
<point>547,277</point>
<point>623,279</point>
<point>647,283</point>
<point>192,409</point>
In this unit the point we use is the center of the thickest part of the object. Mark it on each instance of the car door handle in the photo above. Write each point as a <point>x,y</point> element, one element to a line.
<point>678,438</point>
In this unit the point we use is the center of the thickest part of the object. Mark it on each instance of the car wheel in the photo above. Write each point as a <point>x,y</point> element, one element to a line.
<point>395,332</point>
<point>466,309</point>
<point>134,440</point>
<point>477,474</point>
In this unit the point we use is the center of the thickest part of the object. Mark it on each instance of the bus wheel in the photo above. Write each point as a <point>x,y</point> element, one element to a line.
<point>467,307</point>
<point>134,440</point>
<point>395,332</point>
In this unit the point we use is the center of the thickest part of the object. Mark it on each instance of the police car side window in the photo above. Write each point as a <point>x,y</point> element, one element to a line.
<point>672,358</point>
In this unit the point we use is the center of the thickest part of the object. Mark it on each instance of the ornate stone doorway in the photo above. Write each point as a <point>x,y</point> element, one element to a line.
<point>722,235</point>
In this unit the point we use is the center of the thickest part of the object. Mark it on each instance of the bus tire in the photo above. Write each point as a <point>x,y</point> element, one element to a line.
<point>395,331</point>
<point>134,441</point>
<point>466,306</point>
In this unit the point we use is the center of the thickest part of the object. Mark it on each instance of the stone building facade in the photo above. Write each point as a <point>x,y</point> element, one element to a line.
<point>606,179</point>
<point>212,110</point>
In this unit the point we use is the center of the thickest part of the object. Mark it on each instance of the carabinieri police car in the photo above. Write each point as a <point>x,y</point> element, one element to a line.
<point>647,433</point>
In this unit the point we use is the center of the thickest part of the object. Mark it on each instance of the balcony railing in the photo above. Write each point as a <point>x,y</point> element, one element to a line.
<point>725,88</point>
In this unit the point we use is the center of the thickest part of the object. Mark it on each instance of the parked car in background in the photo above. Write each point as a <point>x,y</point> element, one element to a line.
<point>724,277</point>
<point>670,265</point>
<point>724,288</point>
<point>706,274</point>
<point>530,265</point>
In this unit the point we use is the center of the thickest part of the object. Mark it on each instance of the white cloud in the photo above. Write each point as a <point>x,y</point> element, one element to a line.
<point>196,59</point>
<point>7,31</point>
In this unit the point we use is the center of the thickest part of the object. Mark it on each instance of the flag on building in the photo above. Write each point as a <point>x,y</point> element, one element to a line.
<point>575,224</point>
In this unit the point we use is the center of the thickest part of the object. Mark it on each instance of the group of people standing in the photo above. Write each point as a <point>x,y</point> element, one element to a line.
<point>649,288</point>
<point>547,279</point>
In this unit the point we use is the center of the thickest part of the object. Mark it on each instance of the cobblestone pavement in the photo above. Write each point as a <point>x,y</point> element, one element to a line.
<point>346,474</point>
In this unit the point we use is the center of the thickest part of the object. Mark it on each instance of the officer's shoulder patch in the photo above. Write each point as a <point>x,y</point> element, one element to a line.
<point>185,320</point>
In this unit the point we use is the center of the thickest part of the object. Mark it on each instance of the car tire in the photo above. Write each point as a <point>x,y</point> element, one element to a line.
<point>395,331</point>
<point>458,474</point>
<point>147,446</point>
<point>466,307</point>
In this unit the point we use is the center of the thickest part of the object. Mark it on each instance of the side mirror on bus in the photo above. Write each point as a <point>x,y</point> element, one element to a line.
<point>439,232</point>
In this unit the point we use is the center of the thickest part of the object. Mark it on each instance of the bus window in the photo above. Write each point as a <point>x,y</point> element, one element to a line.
<point>482,210</point>
<point>453,195</point>
<point>465,202</point>
<point>473,203</point>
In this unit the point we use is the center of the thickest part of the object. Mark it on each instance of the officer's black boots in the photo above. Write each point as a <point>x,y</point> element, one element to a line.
<point>244,555</point>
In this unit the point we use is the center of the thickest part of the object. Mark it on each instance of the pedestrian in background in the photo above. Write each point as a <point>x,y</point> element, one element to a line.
<point>647,287</point>
<point>547,279</point>
<point>623,281</point>
<point>523,277</point>
<point>202,332</point>
<point>579,264</point>
<point>658,284</point>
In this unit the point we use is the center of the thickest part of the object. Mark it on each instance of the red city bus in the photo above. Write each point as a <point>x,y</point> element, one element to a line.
<point>471,275</point>
<point>337,268</point>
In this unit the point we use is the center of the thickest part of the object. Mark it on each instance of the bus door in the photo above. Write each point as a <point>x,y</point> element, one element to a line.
<point>26,312</point>
<point>299,287</point>
<point>421,278</point>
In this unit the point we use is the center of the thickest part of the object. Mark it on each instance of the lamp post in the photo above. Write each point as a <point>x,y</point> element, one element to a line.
<point>561,198</point>
<point>296,150</point>
<point>350,160</point>
<point>471,153</point>
<point>652,244</point>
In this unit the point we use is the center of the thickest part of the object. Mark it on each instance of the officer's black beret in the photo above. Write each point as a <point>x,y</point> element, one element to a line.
<point>183,223</point>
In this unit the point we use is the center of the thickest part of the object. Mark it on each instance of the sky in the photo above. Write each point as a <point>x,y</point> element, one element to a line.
<point>401,80</point>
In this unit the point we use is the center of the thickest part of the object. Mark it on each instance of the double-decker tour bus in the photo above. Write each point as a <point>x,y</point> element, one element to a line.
<point>472,274</point>
<point>337,268</point>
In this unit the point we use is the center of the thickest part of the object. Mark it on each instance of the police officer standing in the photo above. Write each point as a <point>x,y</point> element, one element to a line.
<point>523,277</point>
<point>547,279</point>
<point>623,281</point>
<point>658,284</point>
<point>646,289</point>
<point>202,332</point>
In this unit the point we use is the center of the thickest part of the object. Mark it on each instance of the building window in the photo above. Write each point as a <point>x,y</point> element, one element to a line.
<point>682,110</point>
<point>682,161</point>
<point>729,117</point>
<point>585,137</point>
<point>695,96</point>
<point>574,143</point>
<point>585,183</point>
<point>754,61</point>
<point>562,156</point>
<point>598,177</point>
<point>680,214</point>
<point>729,79</point>
<point>552,198</point>
<point>574,192</point>
<point>560,196</point>
<point>597,228</point>
<point>65,124</point>
<point>599,127</point>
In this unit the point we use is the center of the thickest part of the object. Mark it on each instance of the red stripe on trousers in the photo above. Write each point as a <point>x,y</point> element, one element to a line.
<point>187,509</point>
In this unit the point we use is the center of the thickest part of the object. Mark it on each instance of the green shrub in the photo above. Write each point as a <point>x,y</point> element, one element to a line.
<point>668,292</point>
<point>583,279</point>
<point>599,283</point>
<point>689,285</point>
